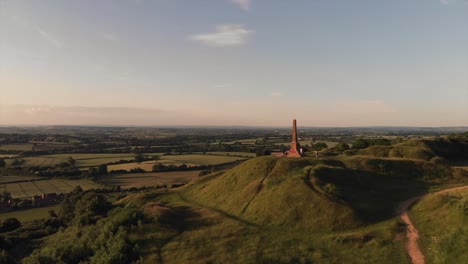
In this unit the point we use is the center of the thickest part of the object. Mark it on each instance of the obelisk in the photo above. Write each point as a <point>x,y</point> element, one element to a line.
<point>295,147</point>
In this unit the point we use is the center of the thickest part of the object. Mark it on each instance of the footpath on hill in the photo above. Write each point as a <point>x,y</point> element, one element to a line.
<point>412,247</point>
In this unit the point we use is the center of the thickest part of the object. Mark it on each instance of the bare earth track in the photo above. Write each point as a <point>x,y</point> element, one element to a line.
<point>412,247</point>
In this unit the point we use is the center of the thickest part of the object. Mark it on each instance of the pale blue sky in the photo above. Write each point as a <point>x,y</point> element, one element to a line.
<point>234,62</point>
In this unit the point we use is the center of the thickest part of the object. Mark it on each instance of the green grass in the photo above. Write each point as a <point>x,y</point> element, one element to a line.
<point>83,160</point>
<point>30,214</point>
<point>179,230</point>
<point>31,188</point>
<point>17,147</point>
<point>442,221</point>
<point>202,159</point>
<point>13,178</point>
<point>243,154</point>
<point>130,180</point>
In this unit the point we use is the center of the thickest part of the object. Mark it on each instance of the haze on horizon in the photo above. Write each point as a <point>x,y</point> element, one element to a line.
<point>234,62</point>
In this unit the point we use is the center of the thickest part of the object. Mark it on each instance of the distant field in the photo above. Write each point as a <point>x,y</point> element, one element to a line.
<point>190,160</point>
<point>17,147</point>
<point>6,156</point>
<point>38,147</point>
<point>146,165</point>
<point>30,214</point>
<point>148,179</point>
<point>330,144</point>
<point>243,141</point>
<point>11,178</point>
<point>249,154</point>
<point>202,159</point>
<point>82,160</point>
<point>28,189</point>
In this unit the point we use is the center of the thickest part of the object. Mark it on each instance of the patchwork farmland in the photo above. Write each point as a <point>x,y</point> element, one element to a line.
<point>126,181</point>
<point>27,189</point>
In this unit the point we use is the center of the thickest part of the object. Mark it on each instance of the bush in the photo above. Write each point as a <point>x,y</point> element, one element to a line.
<point>10,224</point>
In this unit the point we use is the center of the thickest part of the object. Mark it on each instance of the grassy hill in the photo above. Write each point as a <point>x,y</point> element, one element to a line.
<point>331,194</point>
<point>273,191</point>
<point>448,149</point>
<point>309,210</point>
<point>442,221</point>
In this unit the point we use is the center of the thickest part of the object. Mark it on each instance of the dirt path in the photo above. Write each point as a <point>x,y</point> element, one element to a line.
<point>412,247</point>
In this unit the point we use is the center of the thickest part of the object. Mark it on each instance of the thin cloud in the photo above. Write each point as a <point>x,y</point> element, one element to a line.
<point>109,37</point>
<point>276,94</point>
<point>51,39</point>
<point>227,35</point>
<point>444,2</point>
<point>243,4</point>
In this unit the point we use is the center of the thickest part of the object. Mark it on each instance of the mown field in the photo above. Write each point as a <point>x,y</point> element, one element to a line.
<point>126,181</point>
<point>30,214</point>
<point>190,160</point>
<point>38,187</point>
<point>82,160</point>
<point>13,178</point>
<point>202,159</point>
<point>243,154</point>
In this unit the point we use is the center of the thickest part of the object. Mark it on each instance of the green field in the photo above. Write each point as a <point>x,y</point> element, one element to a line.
<point>6,156</point>
<point>243,154</point>
<point>82,160</point>
<point>11,178</point>
<point>17,147</point>
<point>202,159</point>
<point>190,160</point>
<point>126,181</point>
<point>38,187</point>
<point>442,221</point>
<point>146,165</point>
<point>30,214</point>
<point>330,144</point>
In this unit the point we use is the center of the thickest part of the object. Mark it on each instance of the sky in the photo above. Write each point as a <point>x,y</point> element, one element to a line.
<point>234,62</point>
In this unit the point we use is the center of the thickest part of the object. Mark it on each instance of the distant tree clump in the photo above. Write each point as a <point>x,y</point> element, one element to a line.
<point>341,147</point>
<point>262,152</point>
<point>10,224</point>
<point>139,157</point>
<point>319,146</point>
<point>71,161</point>
<point>360,143</point>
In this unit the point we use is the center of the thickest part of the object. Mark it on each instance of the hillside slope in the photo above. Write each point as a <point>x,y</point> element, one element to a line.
<point>274,191</point>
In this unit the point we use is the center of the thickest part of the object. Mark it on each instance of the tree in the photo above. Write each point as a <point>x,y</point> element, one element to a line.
<point>2,163</point>
<point>139,157</point>
<point>262,152</point>
<point>102,169</point>
<point>72,161</point>
<point>10,224</point>
<point>341,147</point>
<point>5,196</point>
<point>360,143</point>
<point>319,146</point>
<point>77,189</point>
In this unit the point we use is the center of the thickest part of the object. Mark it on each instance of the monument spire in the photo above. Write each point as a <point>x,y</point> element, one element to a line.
<point>295,150</point>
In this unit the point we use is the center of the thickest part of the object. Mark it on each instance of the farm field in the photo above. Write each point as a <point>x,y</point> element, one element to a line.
<point>146,165</point>
<point>38,187</point>
<point>82,160</point>
<point>330,144</point>
<point>126,181</point>
<point>16,147</point>
<point>6,156</point>
<point>245,154</point>
<point>11,178</point>
<point>202,159</point>
<point>30,214</point>
<point>190,160</point>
